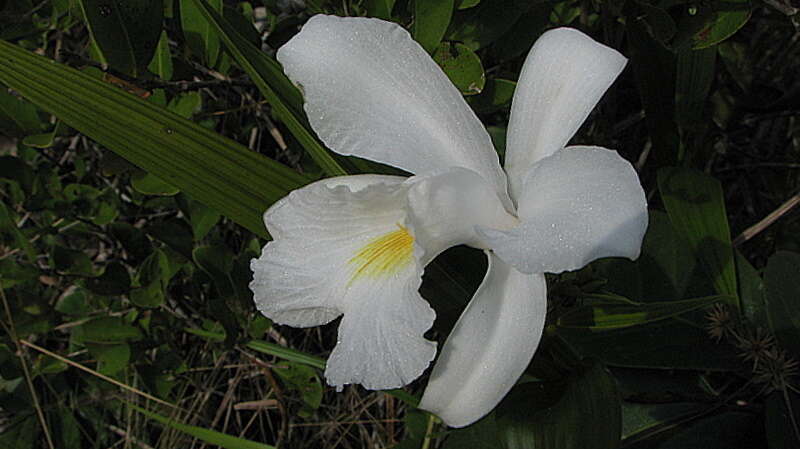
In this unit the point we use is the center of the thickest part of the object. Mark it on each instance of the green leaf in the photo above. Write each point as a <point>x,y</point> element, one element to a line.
<point>751,293</point>
<point>125,31</point>
<point>161,64</point>
<point>201,217</point>
<point>462,66</point>
<point>111,358</point>
<point>725,23</point>
<point>668,344</point>
<point>618,312</point>
<point>201,36</point>
<point>287,353</point>
<point>11,235</point>
<point>480,26</point>
<point>640,421</point>
<point>276,88</point>
<point>381,9</point>
<point>695,73</point>
<point>74,302</point>
<point>17,116</point>
<point>149,184</point>
<point>696,207</point>
<point>133,240</point>
<point>581,412</point>
<point>654,68</point>
<point>209,436</point>
<point>176,233</point>
<point>106,330</point>
<point>114,281</point>
<point>305,381</point>
<point>519,39</point>
<point>153,276</point>
<point>210,168</point>
<point>431,18</point>
<point>44,140</point>
<point>783,298</point>
<point>71,262</point>
<point>496,95</point>
<point>69,429</point>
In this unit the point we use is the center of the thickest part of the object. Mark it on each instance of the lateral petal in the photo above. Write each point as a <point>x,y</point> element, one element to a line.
<point>372,91</point>
<point>564,76</point>
<point>341,247</point>
<point>489,347</point>
<point>578,205</point>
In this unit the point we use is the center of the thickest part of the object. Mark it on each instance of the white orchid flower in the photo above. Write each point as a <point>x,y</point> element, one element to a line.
<point>356,246</point>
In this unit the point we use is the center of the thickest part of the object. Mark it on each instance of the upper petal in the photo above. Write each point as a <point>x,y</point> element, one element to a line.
<point>489,347</point>
<point>371,91</point>
<point>563,78</point>
<point>340,247</point>
<point>578,205</point>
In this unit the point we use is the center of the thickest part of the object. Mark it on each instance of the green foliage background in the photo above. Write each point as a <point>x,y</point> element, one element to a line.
<point>141,140</point>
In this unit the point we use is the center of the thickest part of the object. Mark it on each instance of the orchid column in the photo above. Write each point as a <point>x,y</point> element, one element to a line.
<point>357,246</point>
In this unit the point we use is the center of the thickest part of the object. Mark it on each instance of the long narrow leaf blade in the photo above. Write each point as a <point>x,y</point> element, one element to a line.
<point>273,84</point>
<point>219,172</point>
<point>207,435</point>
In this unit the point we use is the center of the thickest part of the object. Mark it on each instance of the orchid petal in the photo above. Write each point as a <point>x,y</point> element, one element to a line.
<point>340,247</point>
<point>578,205</point>
<point>372,92</point>
<point>563,78</point>
<point>445,208</point>
<point>490,346</point>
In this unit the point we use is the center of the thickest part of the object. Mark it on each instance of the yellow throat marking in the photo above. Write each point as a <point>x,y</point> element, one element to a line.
<point>384,255</point>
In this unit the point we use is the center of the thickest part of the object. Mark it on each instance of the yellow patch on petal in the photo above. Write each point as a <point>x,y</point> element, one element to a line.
<point>384,255</point>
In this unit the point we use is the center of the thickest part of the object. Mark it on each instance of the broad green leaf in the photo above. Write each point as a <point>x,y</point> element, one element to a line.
<point>149,184</point>
<point>464,4</point>
<point>666,270</point>
<point>176,233</point>
<point>17,116</point>
<point>201,217</point>
<point>497,94</point>
<point>16,169</point>
<point>201,36</point>
<point>125,31</point>
<point>69,429</point>
<point>695,73</point>
<point>115,280</point>
<point>276,88</point>
<point>654,68</point>
<point>657,21</point>
<point>13,273</point>
<point>480,26</point>
<point>10,235</point>
<point>583,411</point>
<point>44,140</point>
<point>431,18</point>
<point>218,171</point>
<point>71,261</point>
<point>462,66</point>
<point>783,298</point>
<point>616,312</point>
<point>696,207</point>
<point>640,420</point>
<point>186,104</point>
<point>381,9</point>
<point>731,16</point>
<point>668,344</point>
<point>106,330</point>
<point>519,39</point>
<point>133,240</point>
<point>153,276</point>
<point>111,358</point>
<point>305,381</point>
<point>161,64</point>
<point>74,301</point>
<point>209,436</point>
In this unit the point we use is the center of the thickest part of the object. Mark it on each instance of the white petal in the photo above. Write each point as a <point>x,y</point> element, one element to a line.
<point>371,91</point>
<point>490,346</point>
<point>578,205</point>
<point>340,247</point>
<point>563,78</point>
<point>445,208</point>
